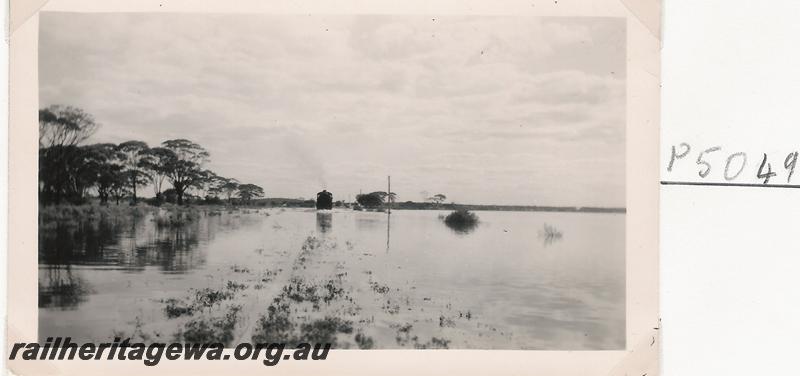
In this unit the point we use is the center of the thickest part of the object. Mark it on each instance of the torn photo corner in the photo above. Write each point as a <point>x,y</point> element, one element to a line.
<point>472,186</point>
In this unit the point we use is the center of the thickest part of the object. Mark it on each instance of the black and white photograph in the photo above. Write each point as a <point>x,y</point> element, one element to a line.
<point>366,181</point>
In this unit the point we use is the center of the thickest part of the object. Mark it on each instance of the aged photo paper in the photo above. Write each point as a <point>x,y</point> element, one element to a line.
<point>426,187</point>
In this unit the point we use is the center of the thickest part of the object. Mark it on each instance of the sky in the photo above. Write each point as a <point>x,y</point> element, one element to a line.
<point>486,110</point>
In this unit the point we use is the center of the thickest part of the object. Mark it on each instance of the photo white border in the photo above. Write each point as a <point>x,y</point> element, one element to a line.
<point>642,145</point>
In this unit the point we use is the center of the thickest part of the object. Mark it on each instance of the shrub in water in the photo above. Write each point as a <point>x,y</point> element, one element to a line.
<point>461,220</point>
<point>212,329</point>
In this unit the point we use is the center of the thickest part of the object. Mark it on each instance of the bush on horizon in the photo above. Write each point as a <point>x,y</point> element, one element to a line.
<point>370,200</point>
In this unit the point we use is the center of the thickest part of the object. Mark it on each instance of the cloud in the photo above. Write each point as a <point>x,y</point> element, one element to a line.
<point>294,103</point>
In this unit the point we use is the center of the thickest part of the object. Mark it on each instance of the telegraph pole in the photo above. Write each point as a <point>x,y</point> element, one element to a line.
<point>389,193</point>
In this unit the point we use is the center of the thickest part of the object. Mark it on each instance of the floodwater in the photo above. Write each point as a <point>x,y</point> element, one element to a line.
<point>404,280</point>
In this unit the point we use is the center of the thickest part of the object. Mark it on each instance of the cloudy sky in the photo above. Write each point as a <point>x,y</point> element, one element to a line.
<point>495,110</point>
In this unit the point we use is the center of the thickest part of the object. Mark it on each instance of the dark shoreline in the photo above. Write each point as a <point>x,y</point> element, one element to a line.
<point>563,209</point>
<point>407,205</point>
<point>410,205</point>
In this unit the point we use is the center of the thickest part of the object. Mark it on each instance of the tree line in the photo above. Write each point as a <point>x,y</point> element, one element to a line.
<point>70,171</point>
<point>379,198</point>
<point>375,199</point>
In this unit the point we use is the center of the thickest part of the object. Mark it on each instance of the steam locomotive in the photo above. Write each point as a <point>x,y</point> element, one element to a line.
<point>324,200</point>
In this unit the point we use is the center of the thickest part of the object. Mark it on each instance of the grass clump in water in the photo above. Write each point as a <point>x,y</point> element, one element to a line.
<point>208,297</point>
<point>364,342</point>
<point>325,330</point>
<point>202,299</point>
<point>212,329</point>
<point>71,215</point>
<point>177,217</point>
<point>177,308</point>
<point>298,291</point>
<point>234,287</point>
<point>434,343</point>
<point>378,288</point>
<point>275,326</point>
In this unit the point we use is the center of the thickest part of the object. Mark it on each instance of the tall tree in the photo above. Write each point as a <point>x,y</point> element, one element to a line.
<point>371,200</point>
<point>248,192</point>
<point>184,169</point>
<point>222,187</point>
<point>61,130</point>
<point>103,163</point>
<point>156,164</point>
<point>207,185</point>
<point>64,126</point>
<point>214,185</point>
<point>438,198</point>
<point>135,157</point>
<point>229,188</point>
<point>79,171</point>
<point>119,187</point>
<point>389,197</point>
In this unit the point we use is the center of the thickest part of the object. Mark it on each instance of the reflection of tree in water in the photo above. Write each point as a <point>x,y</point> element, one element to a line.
<point>550,234</point>
<point>548,240</point>
<point>173,249</point>
<point>368,223</point>
<point>131,243</point>
<point>134,243</point>
<point>324,222</point>
<point>231,221</point>
<point>62,289</point>
<point>85,242</point>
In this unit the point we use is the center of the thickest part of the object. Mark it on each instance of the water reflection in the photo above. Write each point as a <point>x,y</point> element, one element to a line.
<point>324,222</point>
<point>462,229</point>
<point>498,289</point>
<point>388,230</point>
<point>369,222</point>
<point>550,240</point>
<point>550,235</point>
<point>84,242</point>
<point>62,288</point>
<point>131,245</point>
<point>173,250</point>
